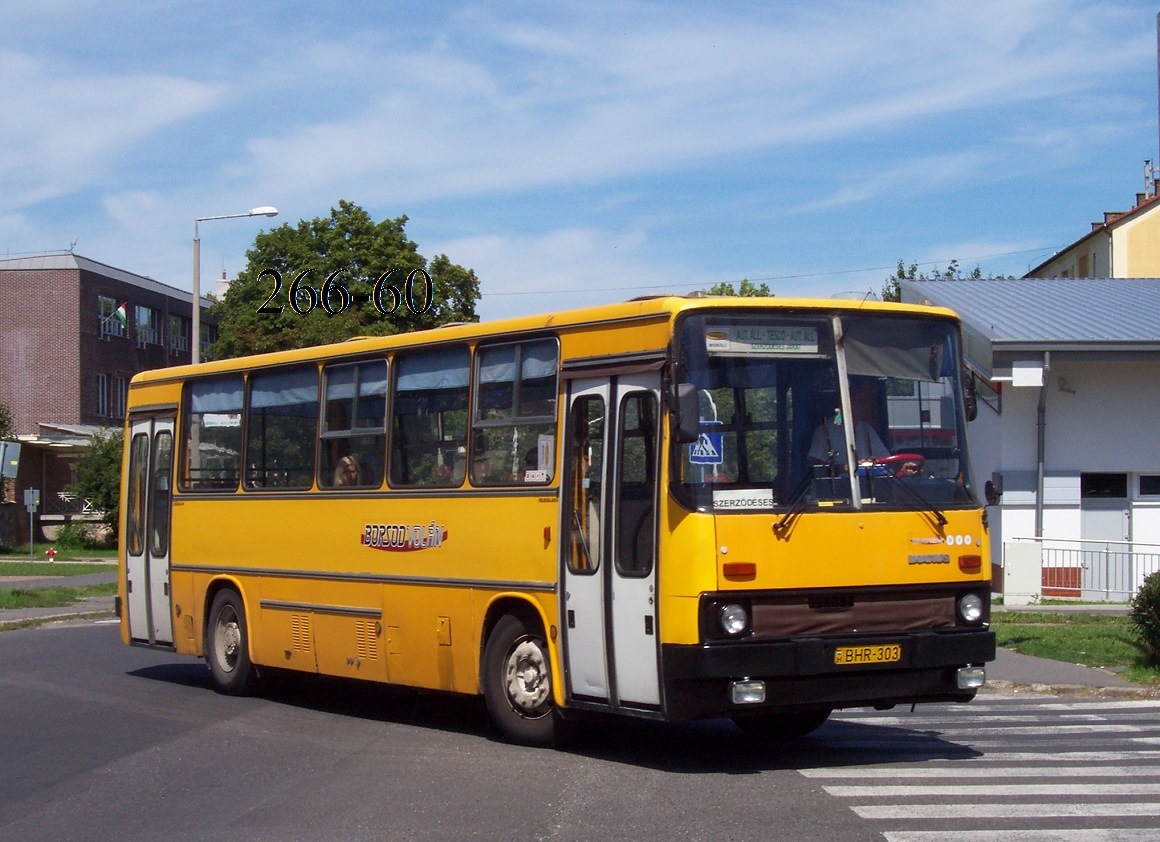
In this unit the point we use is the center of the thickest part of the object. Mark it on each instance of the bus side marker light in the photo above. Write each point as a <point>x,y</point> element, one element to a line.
<point>739,569</point>
<point>747,692</point>
<point>970,563</point>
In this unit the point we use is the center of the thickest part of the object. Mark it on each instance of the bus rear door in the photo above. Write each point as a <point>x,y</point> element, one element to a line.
<point>149,493</point>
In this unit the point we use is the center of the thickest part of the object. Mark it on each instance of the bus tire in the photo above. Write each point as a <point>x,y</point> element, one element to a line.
<point>782,725</point>
<point>517,682</point>
<point>227,648</point>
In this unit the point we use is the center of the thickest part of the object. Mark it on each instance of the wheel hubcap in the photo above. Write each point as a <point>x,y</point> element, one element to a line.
<point>229,637</point>
<point>528,681</point>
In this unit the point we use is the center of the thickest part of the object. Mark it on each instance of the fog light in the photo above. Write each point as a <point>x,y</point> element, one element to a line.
<point>747,692</point>
<point>734,620</point>
<point>971,678</point>
<point>971,608</point>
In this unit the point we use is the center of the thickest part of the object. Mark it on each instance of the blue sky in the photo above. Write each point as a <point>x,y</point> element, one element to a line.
<point>575,153</point>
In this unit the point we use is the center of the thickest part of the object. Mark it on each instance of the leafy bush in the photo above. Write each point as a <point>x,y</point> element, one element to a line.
<point>1144,610</point>
<point>72,536</point>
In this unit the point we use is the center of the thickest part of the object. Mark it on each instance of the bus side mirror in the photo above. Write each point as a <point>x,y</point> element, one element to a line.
<point>686,415</point>
<point>970,396</point>
<point>993,490</point>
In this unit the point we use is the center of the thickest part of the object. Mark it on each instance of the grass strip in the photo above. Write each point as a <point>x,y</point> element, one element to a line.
<point>25,568</point>
<point>53,597</point>
<point>1093,640</point>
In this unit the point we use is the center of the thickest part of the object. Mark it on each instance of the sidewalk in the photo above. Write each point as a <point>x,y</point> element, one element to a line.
<point>93,606</point>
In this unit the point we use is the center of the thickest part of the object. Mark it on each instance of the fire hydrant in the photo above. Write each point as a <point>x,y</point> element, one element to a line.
<point>51,553</point>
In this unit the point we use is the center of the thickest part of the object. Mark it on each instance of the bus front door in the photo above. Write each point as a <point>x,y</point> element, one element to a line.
<point>148,502</point>
<point>609,526</point>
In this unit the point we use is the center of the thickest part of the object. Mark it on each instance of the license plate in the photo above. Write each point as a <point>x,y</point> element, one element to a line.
<point>886,653</point>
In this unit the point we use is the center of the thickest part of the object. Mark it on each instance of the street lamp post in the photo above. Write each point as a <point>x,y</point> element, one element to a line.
<point>195,339</point>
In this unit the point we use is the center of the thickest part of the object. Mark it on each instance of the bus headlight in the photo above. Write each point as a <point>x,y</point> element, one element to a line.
<point>971,608</point>
<point>734,620</point>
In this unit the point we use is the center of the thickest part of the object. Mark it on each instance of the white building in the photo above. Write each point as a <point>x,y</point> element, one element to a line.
<point>1068,410</point>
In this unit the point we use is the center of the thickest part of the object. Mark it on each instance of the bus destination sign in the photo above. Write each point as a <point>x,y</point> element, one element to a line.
<point>761,340</point>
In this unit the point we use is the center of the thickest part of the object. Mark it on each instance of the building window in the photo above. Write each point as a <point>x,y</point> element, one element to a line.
<point>148,326</point>
<point>1108,486</point>
<point>178,334</point>
<point>1150,485</point>
<point>209,336</point>
<point>103,395</point>
<point>113,316</point>
<point>117,397</point>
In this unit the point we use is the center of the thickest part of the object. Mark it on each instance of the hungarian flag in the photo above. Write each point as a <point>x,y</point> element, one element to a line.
<point>122,315</point>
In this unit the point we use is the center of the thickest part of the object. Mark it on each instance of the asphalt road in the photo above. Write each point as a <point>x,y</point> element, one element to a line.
<point>101,741</point>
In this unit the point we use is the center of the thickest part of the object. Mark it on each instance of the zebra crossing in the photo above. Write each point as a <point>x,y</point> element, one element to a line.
<point>1026,769</point>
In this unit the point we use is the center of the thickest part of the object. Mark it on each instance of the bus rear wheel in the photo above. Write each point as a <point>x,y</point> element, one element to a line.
<point>227,645</point>
<point>517,682</point>
<point>782,725</point>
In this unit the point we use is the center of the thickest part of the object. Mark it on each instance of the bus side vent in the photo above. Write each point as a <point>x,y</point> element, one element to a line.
<point>368,640</point>
<point>300,632</point>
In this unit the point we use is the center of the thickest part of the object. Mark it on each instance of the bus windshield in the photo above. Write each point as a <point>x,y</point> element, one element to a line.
<point>775,393</point>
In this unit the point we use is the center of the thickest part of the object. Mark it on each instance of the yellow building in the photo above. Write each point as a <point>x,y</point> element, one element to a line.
<point>1125,245</point>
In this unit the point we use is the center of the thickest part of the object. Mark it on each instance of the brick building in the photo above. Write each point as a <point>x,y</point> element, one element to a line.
<point>72,333</point>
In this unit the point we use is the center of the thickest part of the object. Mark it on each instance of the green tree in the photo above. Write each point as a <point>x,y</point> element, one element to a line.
<point>748,288</point>
<point>97,475</point>
<point>5,422</point>
<point>356,251</point>
<point>892,289</point>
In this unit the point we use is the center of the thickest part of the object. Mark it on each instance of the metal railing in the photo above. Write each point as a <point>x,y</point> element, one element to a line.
<point>63,503</point>
<point>1108,571</point>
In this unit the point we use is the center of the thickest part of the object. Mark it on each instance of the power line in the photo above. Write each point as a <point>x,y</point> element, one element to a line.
<point>795,277</point>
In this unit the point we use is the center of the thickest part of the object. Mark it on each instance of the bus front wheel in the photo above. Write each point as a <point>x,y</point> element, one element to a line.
<point>228,646</point>
<point>518,682</point>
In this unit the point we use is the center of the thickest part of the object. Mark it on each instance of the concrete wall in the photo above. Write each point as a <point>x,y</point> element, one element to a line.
<point>1100,417</point>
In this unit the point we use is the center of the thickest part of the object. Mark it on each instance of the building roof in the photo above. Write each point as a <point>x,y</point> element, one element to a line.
<point>69,260</point>
<point>1004,320</point>
<point>1111,220</point>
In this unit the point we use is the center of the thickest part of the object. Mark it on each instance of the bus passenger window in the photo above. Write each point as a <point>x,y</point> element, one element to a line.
<point>281,428</point>
<point>213,444</point>
<point>514,437</point>
<point>354,425</point>
<point>429,417</point>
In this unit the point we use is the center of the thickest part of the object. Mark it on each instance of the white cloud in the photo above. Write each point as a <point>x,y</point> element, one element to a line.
<point>64,131</point>
<point>562,269</point>
<point>496,106</point>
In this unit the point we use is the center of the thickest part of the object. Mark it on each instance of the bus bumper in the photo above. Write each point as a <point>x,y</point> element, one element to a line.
<point>802,673</point>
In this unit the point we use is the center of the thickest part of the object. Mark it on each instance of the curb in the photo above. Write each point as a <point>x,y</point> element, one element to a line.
<point>29,622</point>
<point>1083,690</point>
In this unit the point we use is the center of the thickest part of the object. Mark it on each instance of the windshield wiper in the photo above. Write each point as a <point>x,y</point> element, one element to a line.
<point>917,502</point>
<point>797,500</point>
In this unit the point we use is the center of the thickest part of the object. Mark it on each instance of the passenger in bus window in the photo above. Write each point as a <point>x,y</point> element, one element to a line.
<point>347,472</point>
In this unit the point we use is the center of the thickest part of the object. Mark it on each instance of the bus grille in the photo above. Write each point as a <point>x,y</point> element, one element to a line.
<point>841,612</point>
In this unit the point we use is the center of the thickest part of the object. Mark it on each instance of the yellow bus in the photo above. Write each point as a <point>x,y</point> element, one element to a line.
<point>642,508</point>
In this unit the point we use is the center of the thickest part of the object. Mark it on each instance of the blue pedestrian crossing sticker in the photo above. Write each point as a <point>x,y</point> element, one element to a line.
<point>707,450</point>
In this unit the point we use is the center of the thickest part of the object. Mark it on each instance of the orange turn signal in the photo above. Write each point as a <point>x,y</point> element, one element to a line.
<point>739,569</point>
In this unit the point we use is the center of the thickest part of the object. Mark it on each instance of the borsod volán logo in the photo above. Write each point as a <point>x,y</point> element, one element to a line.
<point>403,538</point>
